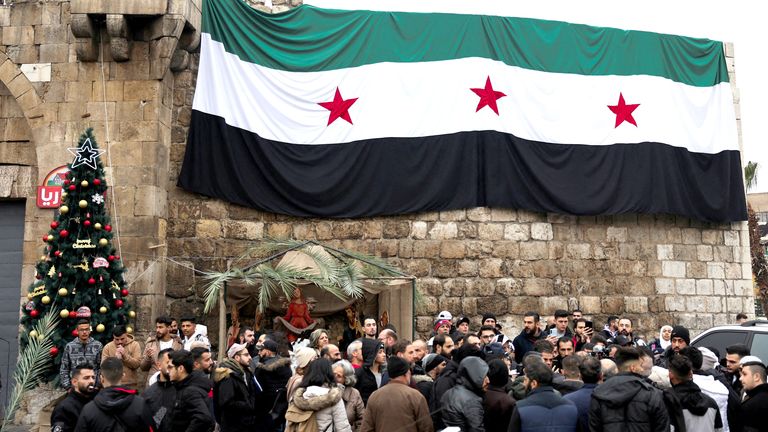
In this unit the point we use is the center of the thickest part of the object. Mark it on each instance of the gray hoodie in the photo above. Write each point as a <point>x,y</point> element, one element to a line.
<point>463,404</point>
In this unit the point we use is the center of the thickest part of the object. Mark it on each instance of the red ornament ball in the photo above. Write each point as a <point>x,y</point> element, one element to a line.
<point>45,238</point>
<point>39,276</point>
<point>74,333</point>
<point>124,292</point>
<point>34,313</point>
<point>54,225</point>
<point>97,181</point>
<point>72,188</point>
<point>87,223</point>
<point>111,258</point>
<point>57,253</point>
<point>91,281</point>
<point>54,352</point>
<point>73,314</point>
<point>108,228</point>
<point>66,181</point>
<point>119,303</point>
<point>63,233</point>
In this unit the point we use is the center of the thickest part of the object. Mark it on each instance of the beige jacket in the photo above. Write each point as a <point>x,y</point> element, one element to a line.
<point>147,361</point>
<point>353,402</point>
<point>131,360</point>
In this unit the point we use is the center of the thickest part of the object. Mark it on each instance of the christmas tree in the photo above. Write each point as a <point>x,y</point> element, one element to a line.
<point>80,275</point>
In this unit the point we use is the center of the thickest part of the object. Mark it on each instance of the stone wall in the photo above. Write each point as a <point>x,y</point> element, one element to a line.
<point>657,269</point>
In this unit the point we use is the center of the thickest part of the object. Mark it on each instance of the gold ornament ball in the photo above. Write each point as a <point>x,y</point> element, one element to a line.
<point>45,300</point>
<point>83,203</point>
<point>64,313</point>
<point>43,257</point>
<point>29,296</point>
<point>63,195</point>
<point>63,292</point>
<point>103,309</point>
<point>129,330</point>
<point>33,334</point>
<point>84,183</point>
<point>64,209</point>
<point>97,226</point>
<point>132,314</point>
<point>103,242</point>
<point>50,237</point>
<point>100,328</point>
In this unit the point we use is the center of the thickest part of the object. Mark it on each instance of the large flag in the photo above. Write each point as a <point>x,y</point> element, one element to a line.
<point>331,113</point>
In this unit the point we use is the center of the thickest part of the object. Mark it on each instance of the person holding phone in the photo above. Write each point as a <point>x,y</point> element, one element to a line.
<point>583,333</point>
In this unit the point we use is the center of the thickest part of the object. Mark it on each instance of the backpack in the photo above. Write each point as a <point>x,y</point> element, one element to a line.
<point>297,420</point>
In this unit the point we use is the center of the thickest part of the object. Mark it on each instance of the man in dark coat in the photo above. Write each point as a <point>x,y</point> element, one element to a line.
<point>755,405</point>
<point>463,404</point>
<point>161,395</point>
<point>190,411</point>
<point>447,380</point>
<point>627,402</point>
<point>530,334</point>
<point>369,376</point>
<point>65,415</point>
<point>237,395</point>
<point>589,369</point>
<point>115,409</point>
<point>700,412</point>
<point>497,403</point>
<point>272,372</point>
<point>543,409</point>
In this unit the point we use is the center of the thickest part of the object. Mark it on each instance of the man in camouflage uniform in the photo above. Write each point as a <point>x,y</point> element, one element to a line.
<point>84,349</point>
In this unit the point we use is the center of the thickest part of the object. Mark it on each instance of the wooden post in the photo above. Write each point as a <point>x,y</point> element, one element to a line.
<point>222,325</point>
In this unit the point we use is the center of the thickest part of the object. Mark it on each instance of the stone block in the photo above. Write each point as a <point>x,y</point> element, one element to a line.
<point>529,216</point>
<point>467,268</point>
<point>545,269</point>
<point>548,305</point>
<point>419,230</point>
<point>509,287</point>
<point>674,269</point>
<point>453,215</point>
<point>685,286</point>
<point>479,214</point>
<point>444,230</point>
<point>746,271</point>
<point>467,230</point>
<point>636,304</point>
<point>696,270</point>
<point>51,14</point>
<point>506,249</point>
<point>704,253</point>
<point>674,304</point>
<point>612,305</point>
<point>733,271</point>
<point>426,249</point>
<point>534,250</point>
<point>491,268</point>
<point>430,286</point>
<point>244,230</point>
<point>347,230</point>
<point>716,270</point>
<point>447,268</point>
<point>76,91</point>
<point>695,304</point>
<point>616,234</point>
<point>21,54</point>
<point>417,267</point>
<point>684,252</point>
<point>452,304</point>
<point>494,305</point>
<point>731,238</point>
<point>522,304</point>
<point>278,230</point>
<point>541,231</point>
<point>114,94</point>
<point>451,249</point>
<point>490,231</point>
<point>517,232</point>
<point>590,305</point>
<point>180,279</point>
<point>691,236</point>
<point>705,287</point>
<point>712,237</point>
<point>373,230</point>
<point>455,287</point>
<point>538,287</point>
<point>578,251</point>
<point>481,287</point>
<point>207,228</point>
<point>723,253</point>
<point>427,306</point>
<point>595,234</point>
<point>503,215</point>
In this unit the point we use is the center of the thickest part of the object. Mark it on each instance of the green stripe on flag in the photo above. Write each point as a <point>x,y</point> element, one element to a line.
<point>308,39</point>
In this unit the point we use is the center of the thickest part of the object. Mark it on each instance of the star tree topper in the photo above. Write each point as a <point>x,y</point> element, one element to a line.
<point>85,154</point>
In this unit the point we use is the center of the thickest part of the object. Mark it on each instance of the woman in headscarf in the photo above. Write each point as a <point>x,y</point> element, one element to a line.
<point>304,356</point>
<point>664,340</point>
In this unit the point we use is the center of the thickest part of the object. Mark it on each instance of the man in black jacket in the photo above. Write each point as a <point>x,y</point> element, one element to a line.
<point>65,415</point>
<point>755,405</point>
<point>543,409</point>
<point>700,412</point>
<point>161,395</point>
<point>627,402</point>
<point>190,410</point>
<point>530,334</point>
<point>115,409</point>
<point>237,395</point>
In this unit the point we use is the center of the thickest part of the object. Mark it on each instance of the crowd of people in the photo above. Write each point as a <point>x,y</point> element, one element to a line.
<point>559,375</point>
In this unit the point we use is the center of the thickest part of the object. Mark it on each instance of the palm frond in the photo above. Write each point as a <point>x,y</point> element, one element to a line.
<point>215,284</point>
<point>34,361</point>
<point>750,174</point>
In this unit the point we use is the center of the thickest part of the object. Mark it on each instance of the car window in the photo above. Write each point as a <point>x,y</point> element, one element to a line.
<point>760,345</point>
<point>721,339</point>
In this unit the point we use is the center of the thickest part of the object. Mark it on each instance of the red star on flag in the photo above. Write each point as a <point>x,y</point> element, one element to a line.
<point>623,111</point>
<point>338,107</point>
<point>488,96</point>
